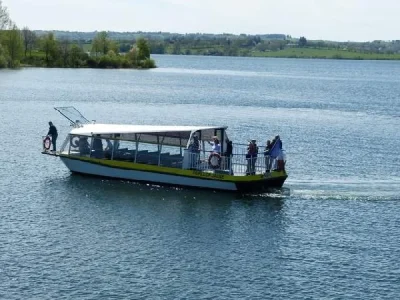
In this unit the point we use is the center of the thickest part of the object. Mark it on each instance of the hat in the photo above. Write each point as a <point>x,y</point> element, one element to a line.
<point>215,137</point>
<point>253,141</point>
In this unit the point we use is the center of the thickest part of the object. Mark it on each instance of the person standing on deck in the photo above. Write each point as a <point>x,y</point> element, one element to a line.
<point>267,156</point>
<point>54,134</point>
<point>228,155</point>
<point>251,156</point>
<point>275,152</point>
<point>216,147</point>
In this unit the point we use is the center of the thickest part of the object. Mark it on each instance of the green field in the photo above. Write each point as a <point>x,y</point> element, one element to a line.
<point>325,53</point>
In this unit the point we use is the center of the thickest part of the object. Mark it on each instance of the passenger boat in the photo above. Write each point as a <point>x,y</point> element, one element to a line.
<point>167,155</point>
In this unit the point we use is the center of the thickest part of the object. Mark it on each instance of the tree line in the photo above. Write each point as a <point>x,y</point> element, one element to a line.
<point>233,45</point>
<point>25,47</point>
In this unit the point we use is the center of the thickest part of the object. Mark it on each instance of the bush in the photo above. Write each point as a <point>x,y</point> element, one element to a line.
<point>126,63</point>
<point>3,58</point>
<point>92,62</point>
<point>3,62</point>
<point>148,63</point>
<point>15,64</point>
<point>337,56</point>
<point>108,61</point>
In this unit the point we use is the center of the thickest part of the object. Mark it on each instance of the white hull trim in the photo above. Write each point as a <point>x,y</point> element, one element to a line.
<point>98,170</point>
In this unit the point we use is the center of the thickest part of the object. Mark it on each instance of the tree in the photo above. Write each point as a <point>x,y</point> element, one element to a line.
<point>101,43</point>
<point>77,56</point>
<point>143,49</point>
<point>50,49</point>
<point>95,47</point>
<point>29,39</point>
<point>14,45</point>
<point>64,51</point>
<point>3,60</point>
<point>4,17</point>
<point>302,41</point>
<point>132,56</point>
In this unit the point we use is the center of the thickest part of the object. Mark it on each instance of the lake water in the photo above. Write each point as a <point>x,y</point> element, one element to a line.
<point>332,232</point>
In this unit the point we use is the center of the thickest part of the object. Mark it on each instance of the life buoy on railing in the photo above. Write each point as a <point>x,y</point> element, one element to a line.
<point>75,142</point>
<point>214,160</point>
<point>47,143</point>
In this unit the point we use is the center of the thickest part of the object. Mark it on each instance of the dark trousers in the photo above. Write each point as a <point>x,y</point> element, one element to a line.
<point>54,141</point>
<point>251,165</point>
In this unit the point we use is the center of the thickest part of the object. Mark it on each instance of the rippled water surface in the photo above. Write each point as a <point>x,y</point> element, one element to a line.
<point>332,232</point>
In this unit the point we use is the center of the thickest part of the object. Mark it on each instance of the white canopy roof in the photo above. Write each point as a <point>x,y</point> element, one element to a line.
<point>102,129</point>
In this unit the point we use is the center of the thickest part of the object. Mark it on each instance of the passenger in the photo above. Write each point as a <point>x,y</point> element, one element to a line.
<point>109,146</point>
<point>97,143</point>
<point>194,149</point>
<point>216,147</point>
<point>83,145</point>
<point>54,134</point>
<point>109,149</point>
<point>116,142</point>
<point>279,141</point>
<point>98,147</point>
<point>251,156</point>
<point>275,152</point>
<point>267,157</point>
<point>228,155</point>
<point>195,144</point>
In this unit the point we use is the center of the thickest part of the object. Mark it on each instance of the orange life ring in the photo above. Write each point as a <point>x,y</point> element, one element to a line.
<point>47,143</point>
<point>214,160</point>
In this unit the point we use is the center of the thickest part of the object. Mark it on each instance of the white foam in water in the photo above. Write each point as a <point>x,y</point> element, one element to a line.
<point>346,189</point>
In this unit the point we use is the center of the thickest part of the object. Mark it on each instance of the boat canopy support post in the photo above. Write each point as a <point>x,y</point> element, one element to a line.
<point>160,147</point>
<point>137,145</point>
<point>64,144</point>
<point>113,148</point>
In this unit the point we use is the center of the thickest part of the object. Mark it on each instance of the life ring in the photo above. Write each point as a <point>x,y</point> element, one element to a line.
<point>75,142</point>
<point>214,160</point>
<point>47,143</point>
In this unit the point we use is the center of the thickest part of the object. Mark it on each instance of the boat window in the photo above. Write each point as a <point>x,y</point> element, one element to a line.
<point>80,145</point>
<point>123,150</point>
<point>178,138</point>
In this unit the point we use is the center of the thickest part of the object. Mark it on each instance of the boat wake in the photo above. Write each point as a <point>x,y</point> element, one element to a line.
<point>344,189</point>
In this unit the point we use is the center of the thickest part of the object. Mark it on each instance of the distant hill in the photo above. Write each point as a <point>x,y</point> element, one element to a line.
<point>128,36</point>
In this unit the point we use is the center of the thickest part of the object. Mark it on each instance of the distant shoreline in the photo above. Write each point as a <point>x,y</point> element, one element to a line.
<point>304,53</point>
<point>326,54</point>
<point>359,56</point>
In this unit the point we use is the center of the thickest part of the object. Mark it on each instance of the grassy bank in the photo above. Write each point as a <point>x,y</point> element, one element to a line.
<point>325,53</point>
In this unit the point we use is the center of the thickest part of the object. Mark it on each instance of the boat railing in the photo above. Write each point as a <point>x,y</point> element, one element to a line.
<point>239,163</point>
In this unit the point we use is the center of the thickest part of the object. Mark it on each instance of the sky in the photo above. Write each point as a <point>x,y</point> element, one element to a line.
<point>338,20</point>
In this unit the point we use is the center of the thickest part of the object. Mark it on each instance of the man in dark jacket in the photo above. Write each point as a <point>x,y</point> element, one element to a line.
<point>54,134</point>
<point>228,155</point>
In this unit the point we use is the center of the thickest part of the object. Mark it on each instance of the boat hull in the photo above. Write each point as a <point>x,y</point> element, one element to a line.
<point>172,176</point>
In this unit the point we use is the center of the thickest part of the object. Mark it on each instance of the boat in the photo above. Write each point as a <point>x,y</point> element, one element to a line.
<point>167,155</point>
